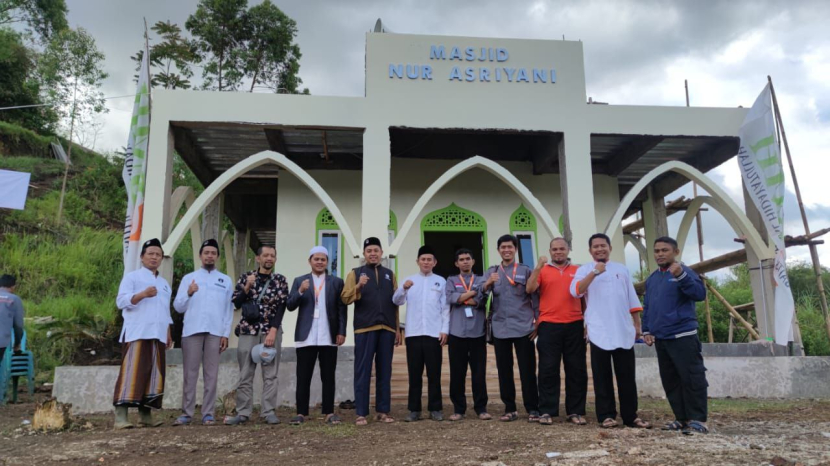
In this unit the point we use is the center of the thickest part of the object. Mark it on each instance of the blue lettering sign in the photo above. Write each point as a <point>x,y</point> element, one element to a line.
<point>522,76</point>
<point>426,72</point>
<point>395,70</point>
<point>470,53</point>
<point>510,72</point>
<point>455,54</point>
<point>484,75</point>
<point>412,71</point>
<point>471,74</point>
<point>540,75</point>
<point>437,53</point>
<point>455,74</point>
<point>501,54</point>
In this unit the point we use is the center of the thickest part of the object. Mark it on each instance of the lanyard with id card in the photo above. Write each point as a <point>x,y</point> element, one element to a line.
<point>468,310</point>
<point>317,291</point>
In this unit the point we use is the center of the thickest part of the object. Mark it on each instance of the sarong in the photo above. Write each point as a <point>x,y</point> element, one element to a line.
<point>141,378</point>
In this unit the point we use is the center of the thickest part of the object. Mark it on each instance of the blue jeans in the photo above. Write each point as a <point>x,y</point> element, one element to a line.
<point>378,345</point>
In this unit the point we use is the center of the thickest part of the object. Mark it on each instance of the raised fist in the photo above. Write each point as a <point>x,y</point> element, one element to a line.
<point>407,284</point>
<point>542,261</point>
<point>250,281</point>
<point>494,277</point>
<point>364,279</point>
<point>304,286</point>
<point>599,267</point>
<point>150,291</point>
<point>676,269</point>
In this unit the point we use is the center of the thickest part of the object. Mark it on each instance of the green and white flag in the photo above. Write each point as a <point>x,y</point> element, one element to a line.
<point>135,168</point>
<point>760,161</point>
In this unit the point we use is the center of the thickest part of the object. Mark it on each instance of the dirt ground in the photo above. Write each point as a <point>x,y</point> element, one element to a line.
<point>744,432</point>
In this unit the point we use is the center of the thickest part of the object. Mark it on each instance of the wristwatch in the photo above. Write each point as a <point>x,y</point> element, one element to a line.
<point>595,272</point>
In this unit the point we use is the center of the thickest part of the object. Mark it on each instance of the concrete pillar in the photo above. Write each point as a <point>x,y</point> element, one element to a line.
<point>762,279</point>
<point>655,223</point>
<point>240,258</point>
<point>761,275</point>
<point>158,188</point>
<point>212,218</point>
<point>577,184</point>
<point>377,165</point>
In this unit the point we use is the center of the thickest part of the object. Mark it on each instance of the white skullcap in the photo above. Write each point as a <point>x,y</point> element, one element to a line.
<point>318,250</point>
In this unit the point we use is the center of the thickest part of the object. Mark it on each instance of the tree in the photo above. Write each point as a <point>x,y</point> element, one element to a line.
<point>219,27</point>
<point>72,69</point>
<point>45,17</point>
<point>20,86</point>
<point>271,59</point>
<point>172,57</point>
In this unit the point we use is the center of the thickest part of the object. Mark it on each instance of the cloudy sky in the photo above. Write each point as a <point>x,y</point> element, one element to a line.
<point>636,52</point>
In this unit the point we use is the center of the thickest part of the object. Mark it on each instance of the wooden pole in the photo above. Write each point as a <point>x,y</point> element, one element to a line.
<point>735,314</point>
<point>699,223</point>
<point>813,250</point>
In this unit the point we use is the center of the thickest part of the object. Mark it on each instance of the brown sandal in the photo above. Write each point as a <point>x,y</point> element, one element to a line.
<point>485,416</point>
<point>576,419</point>
<point>361,421</point>
<point>609,423</point>
<point>384,418</point>
<point>639,424</point>
<point>456,417</point>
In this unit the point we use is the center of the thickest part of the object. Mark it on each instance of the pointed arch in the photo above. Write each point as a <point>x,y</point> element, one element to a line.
<point>485,164</point>
<point>694,207</point>
<point>183,195</point>
<point>723,203</point>
<point>242,167</point>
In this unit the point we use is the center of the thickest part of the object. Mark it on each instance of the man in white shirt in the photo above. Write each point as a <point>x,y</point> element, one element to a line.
<point>612,319</point>
<point>426,329</point>
<point>204,297</point>
<point>144,300</point>
<point>321,328</point>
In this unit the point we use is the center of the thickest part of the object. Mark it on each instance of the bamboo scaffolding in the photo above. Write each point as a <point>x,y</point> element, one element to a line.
<point>735,314</point>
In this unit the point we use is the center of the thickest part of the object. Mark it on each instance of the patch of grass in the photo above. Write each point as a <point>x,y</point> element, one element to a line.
<point>345,429</point>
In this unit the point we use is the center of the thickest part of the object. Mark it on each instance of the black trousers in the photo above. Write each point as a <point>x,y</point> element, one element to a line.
<point>472,352</point>
<point>2,353</point>
<point>623,368</point>
<point>558,342</point>
<point>684,377</point>
<point>424,351</point>
<point>526,357</point>
<point>307,357</point>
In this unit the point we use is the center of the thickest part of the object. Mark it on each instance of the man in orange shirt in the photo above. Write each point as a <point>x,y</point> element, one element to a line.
<point>561,335</point>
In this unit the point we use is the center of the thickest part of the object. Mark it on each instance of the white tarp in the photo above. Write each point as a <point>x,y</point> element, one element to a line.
<point>14,186</point>
<point>760,161</point>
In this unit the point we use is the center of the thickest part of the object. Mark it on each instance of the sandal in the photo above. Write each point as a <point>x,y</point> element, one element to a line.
<point>485,416</point>
<point>674,426</point>
<point>533,416</point>
<point>456,417</point>
<point>384,418</point>
<point>697,427</point>
<point>609,423</point>
<point>361,421</point>
<point>333,420</point>
<point>639,424</point>
<point>181,421</point>
<point>297,420</point>
<point>509,417</point>
<point>577,419</point>
<point>546,420</point>
<point>208,420</point>
<point>348,404</point>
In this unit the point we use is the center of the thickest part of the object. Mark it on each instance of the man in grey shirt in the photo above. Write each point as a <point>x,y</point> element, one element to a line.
<point>514,312</point>
<point>11,315</point>
<point>466,341</point>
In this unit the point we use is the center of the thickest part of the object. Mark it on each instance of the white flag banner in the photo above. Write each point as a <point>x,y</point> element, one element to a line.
<point>135,168</point>
<point>759,159</point>
<point>14,187</point>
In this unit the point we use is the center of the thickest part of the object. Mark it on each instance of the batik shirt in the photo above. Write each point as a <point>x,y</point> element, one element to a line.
<point>271,306</point>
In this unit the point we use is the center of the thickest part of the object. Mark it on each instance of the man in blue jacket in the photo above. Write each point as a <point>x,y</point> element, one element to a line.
<point>670,321</point>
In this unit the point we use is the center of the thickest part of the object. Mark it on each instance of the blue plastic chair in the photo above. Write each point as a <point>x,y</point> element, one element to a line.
<point>14,366</point>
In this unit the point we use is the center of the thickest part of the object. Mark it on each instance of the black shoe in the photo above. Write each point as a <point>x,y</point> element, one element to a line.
<point>436,415</point>
<point>413,416</point>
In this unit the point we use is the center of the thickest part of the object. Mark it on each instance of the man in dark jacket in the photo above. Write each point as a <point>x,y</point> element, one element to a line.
<point>321,328</point>
<point>376,330</point>
<point>670,321</point>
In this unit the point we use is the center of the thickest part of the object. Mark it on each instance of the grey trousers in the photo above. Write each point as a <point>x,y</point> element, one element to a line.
<point>247,370</point>
<point>200,349</point>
